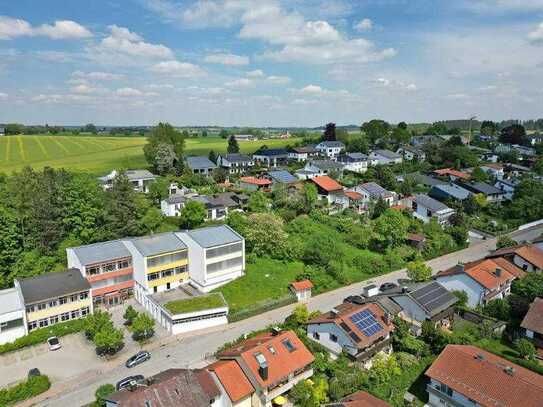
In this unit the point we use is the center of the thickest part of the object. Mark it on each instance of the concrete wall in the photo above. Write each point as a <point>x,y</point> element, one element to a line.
<point>9,335</point>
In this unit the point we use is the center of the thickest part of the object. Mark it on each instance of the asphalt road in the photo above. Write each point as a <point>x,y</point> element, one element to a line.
<point>195,349</point>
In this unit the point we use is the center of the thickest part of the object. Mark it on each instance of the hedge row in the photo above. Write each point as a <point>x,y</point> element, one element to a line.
<point>261,307</point>
<point>40,335</point>
<point>23,391</point>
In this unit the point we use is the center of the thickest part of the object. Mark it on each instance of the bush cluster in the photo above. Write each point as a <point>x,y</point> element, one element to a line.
<point>23,391</point>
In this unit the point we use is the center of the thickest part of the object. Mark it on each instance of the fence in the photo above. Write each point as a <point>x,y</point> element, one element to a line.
<point>261,307</point>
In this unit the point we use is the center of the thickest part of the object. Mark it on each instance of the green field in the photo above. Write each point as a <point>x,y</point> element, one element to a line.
<point>99,154</point>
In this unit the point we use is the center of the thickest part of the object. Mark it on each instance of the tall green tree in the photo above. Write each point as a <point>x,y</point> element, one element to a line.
<point>233,146</point>
<point>258,202</point>
<point>376,130</point>
<point>192,215</point>
<point>157,155</point>
<point>330,132</point>
<point>121,211</point>
<point>109,340</point>
<point>391,229</point>
<point>418,271</point>
<point>212,156</point>
<point>143,327</point>
<point>514,134</point>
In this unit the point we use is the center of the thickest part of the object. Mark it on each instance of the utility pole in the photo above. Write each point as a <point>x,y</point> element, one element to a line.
<point>471,119</point>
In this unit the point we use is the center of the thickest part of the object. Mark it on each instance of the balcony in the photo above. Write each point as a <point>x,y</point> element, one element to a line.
<point>448,399</point>
<point>111,274</point>
<point>286,386</point>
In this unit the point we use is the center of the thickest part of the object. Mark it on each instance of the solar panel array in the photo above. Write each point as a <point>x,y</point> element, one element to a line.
<point>366,322</point>
<point>433,296</point>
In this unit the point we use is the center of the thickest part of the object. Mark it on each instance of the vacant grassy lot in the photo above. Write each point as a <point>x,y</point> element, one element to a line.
<point>98,155</point>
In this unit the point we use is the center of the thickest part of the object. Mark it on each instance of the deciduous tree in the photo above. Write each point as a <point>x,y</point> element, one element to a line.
<point>192,215</point>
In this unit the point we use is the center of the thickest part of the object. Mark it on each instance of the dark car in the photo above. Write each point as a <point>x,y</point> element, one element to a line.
<point>355,299</point>
<point>387,286</point>
<point>129,381</point>
<point>138,358</point>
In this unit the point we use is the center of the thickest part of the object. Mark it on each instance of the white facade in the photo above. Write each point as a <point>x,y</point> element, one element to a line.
<point>426,214</point>
<point>476,292</point>
<point>330,149</point>
<point>12,316</point>
<point>525,265</point>
<point>171,208</point>
<point>376,157</point>
<point>440,395</point>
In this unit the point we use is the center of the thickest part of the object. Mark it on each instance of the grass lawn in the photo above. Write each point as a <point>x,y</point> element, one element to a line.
<point>264,280</point>
<point>99,154</point>
<point>195,304</point>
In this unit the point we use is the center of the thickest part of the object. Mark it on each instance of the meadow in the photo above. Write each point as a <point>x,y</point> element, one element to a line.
<point>99,154</point>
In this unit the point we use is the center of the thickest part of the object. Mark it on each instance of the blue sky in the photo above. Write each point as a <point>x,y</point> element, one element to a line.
<point>269,62</point>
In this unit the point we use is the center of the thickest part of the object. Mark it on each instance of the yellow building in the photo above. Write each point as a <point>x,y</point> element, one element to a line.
<point>54,297</point>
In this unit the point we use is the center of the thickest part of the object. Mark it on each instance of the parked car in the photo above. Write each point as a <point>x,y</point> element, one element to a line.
<point>387,286</point>
<point>54,343</point>
<point>129,381</point>
<point>138,358</point>
<point>34,372</point>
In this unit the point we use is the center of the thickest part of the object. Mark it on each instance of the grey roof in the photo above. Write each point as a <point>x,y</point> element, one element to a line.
<point>481,187</point>
<point>452,190</point>
<point>238,158</point>
<point>270,152</point>
<point>100,252</point>
<point>432,297</point>
<point>391,155</point>
<point>52,285</point>
<point>334,143</point>
<point>139,174</point>
<point>424,179</point>
<point>283,177</point>
<point>428,202</point>
<point>375,190</point>
<point>352,157</point>
<point>212,236</point>
<point>175,199</point>
<point>10,300</point>
<point>158,244</point>
<point>199,162</point>
<point>327,164</point>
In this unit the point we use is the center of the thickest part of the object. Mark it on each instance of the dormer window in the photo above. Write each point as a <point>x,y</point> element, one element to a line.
<point>272,350</point>
<point>288,345</point>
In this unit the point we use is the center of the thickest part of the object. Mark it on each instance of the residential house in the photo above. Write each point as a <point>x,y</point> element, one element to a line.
<point>140,179</point>
<point>216,256</point>
<point>284,179</point>
<point>516,170</point>
<point>271,157</point>
<point>495,170</point>
<point>416,240</point>
<point>490,192</point>
<point>12,315</point>
<point>303,153</point>
<point>330,149</point>
<point>385,157</point>
<point>302,290</point>
<point>234,384</point>
<point>323,167</point>
<point>171,388</point>
<point>420,179</point>
<point>254,184</point>
<point>355,162</point>
<point>107,266</point>
<point>451,174</point>
<point>483,280</point>
<point>160,263</point>
<point>533,324</point>
<point>412,153</point>
<point>507,186</point>
<point>355,201</point>
<point>51,298</point>
<point>428,301</point>
<point>526,256</point>
<point>467,376</point>
<point>535,138</point>
<point>425,208</point>
<point>327,187</point>
<point>419,141</point>
<point>522,151</point>
<point>360,399</point>
<point>371,192</point>
<point>173,205</point>
<point>235,163</point>
<point>444,192</point>
<point>200,165</point>
<point>360,330</point>
<point>273,363</point>
<point>219,205</point>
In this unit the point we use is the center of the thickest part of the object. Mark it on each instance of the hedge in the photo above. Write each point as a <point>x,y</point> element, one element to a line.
<point>261,307</point>
<point>40,335</point>
<point>23,391</point>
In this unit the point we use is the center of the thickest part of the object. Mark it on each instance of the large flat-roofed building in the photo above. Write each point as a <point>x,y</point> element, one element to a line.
<point>12,316</point>
<point>55,297</point>
<point>107,266</point>
<point>216,256</point>
<point>159,263</point>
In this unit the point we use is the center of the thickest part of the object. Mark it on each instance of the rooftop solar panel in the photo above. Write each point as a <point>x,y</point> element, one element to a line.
<point>366,322</point>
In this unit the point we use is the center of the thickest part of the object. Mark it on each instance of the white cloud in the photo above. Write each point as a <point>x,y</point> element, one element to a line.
<point>128,92</point>
<point>536,36</point>
<point>240,83</point>
<point>3,96</point>
<point>178,69</point>
<point>502,6</point>
<point>97,76</point>
<point>278,80</point>
<point>395,84</point>
<point>257,73</point>
<point>364,25</point>
<point>60,29</point>
<point>227,59</point>
<point>312,90</point>
<point>123,41</point>
<point>85,89</point>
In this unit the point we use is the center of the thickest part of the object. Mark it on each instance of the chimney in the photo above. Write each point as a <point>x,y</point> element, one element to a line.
<point>334,312</point>
<point>276,331</point>
<point>387,318</point>
<point>509,370</point>
<point>498,272</point>
<point>262,366</point>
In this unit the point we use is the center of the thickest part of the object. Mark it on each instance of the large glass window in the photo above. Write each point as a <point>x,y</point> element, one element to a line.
<point>167,258</point>
<point>224,250</point>
<point>224,265</point>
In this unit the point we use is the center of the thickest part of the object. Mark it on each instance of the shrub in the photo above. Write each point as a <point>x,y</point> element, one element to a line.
<point>102,392</point>
<point>130,315</point>
<point>526,349</point>
<point>23,391</point>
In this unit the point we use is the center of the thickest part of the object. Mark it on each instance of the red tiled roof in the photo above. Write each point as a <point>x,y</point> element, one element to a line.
<point>302,285</point>
<point>453,172</point>
<point>355,196</point>
<point>232,379</point>
<point>255,181</point>
<point>280,364</point>
<point>534,317</point>
<point>327,183</point>
<point>361,399</point>
<point>484,272</point>
<point>485,379</point>
<point>496,166</point>
<point>532,254</point>
<point>341,317</point>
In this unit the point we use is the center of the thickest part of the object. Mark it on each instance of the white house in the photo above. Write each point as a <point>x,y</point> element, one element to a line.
<point>200,165</point>
<point>12,316</point>
<point>371,191</point>
<point>302,290</point>
<point>303,153</point>
<point>508,186</point>
<point>528,257</point>
<point>173,205</point>
<point>385,157</point>
<point>495,170</point>
<point>323,167</point>
<point>235,163</point>
<point>425,208</point>
<point>411,153</point>
<point>533,323</point>
<point>216,256</point>
<point>140,179</point>
<point>355,162</point>
<point>330,149</point>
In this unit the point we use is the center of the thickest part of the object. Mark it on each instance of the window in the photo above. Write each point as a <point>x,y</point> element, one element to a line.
<point>153,276</point>
<point>84,311</point>
<point>93,270</point>
<point>122,264</point>
<point>316,335</point>
<point>148,403</point>
<point>272,350</point>
<point>65,316</point>
<point>288,345</point>
<point>42,306</point>
<point>43,323</point>
<point>73,298</point>
<point>53,303</point>
<point>53,320</point>
<point>165,259</point>
<point>224,265</point>
<point>333,338</point>
<point>446,389</point>
<point>63,300</point>
<point>74,314</point>
<point>32,325</point>
<point>224,250</point>
<point>83,296</point>
<point>30,308</point>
